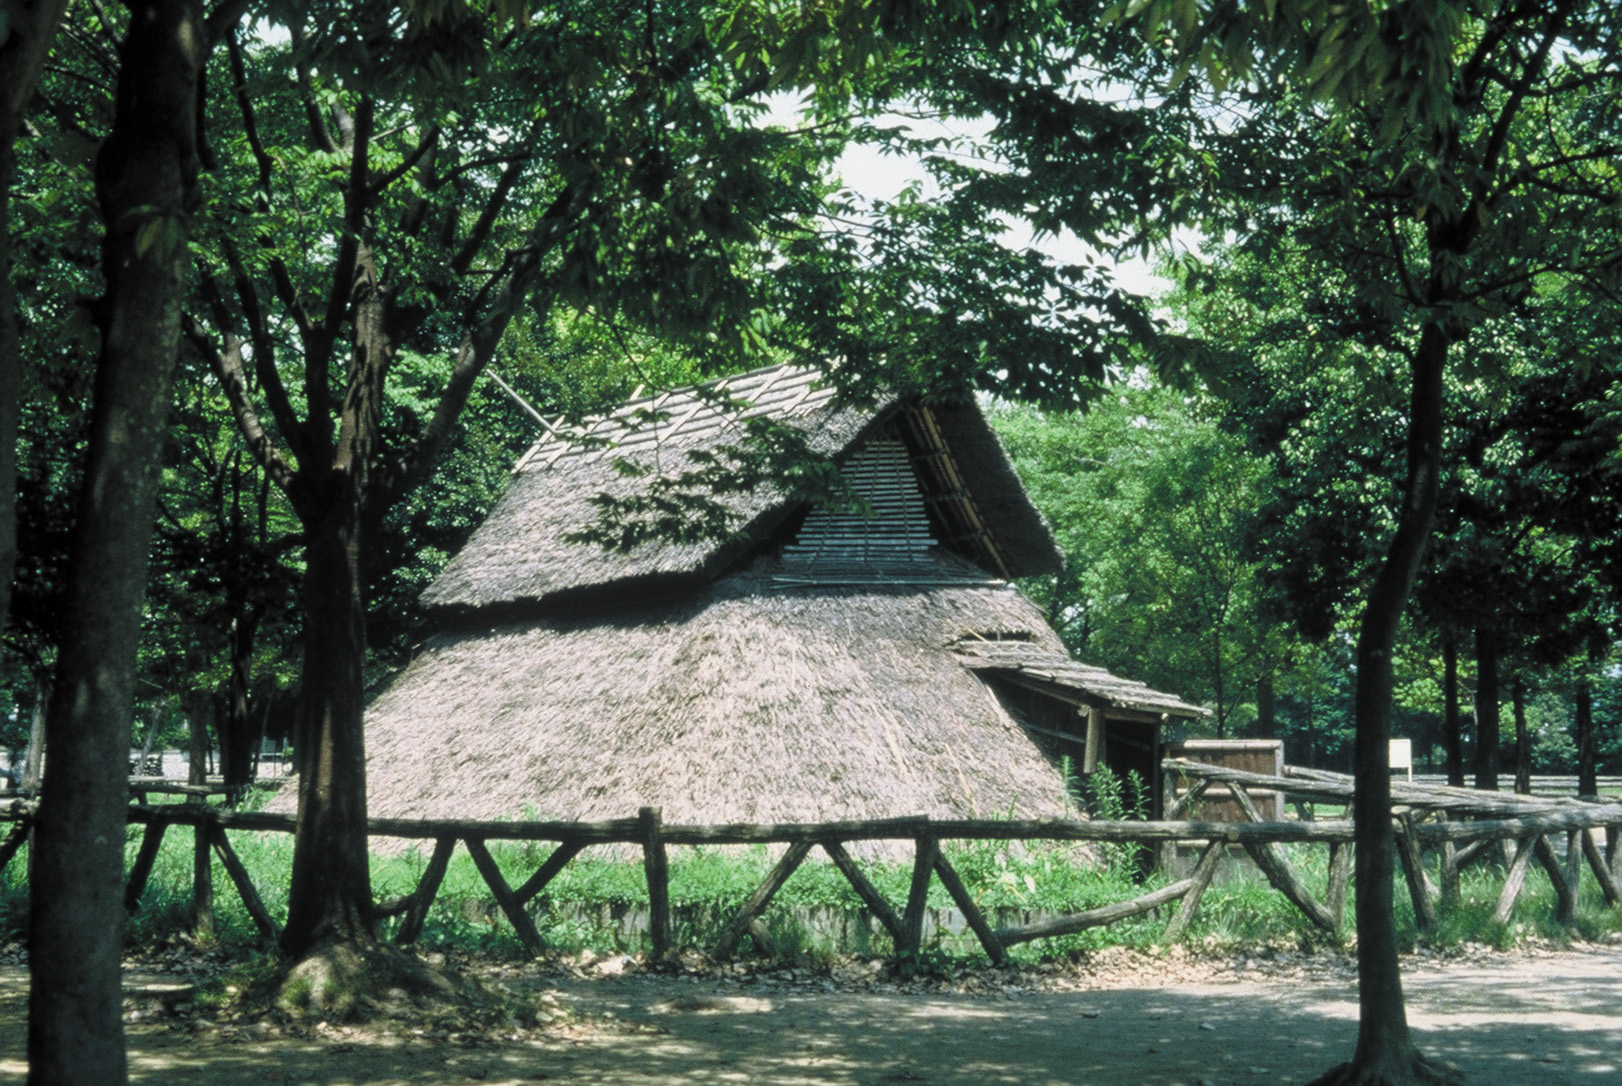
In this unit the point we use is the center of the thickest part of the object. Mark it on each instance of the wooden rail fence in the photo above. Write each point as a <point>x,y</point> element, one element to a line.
<point>1459,825</point>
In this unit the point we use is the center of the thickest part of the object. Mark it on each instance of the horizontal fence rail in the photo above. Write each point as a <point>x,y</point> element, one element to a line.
<point>1459,825</point>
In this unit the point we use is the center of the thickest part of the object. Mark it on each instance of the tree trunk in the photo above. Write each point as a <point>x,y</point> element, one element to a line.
<point>1266,713</point>
<point>330,897</point>
<point>11,364</point>
<point>144,175</point>
<point>1587,767</point>
<point>1487,729</point>
<point>34,758</point>
<point>1452,731</point>
<point>1523,742</point>
<point>1383,1040</point>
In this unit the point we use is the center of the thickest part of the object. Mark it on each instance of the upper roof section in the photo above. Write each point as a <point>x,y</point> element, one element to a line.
<point>523,553</point>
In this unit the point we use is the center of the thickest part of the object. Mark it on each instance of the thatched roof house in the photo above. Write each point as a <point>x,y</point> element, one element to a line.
<point>816,664</point>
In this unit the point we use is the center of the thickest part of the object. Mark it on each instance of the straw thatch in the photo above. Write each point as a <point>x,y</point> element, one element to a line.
<point>746,701</point>
<point>818,665</point>
<point>521,558</point>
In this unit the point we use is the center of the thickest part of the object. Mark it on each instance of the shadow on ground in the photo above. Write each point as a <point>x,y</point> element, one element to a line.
<point>1542,1021</point>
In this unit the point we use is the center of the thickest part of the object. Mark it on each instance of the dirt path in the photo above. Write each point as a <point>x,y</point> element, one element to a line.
<point>1538,1020</point>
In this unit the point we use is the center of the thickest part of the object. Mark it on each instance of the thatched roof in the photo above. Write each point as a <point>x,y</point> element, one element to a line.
<point>746,700</point>
<point>521,559</point>
<point>1057,671</point>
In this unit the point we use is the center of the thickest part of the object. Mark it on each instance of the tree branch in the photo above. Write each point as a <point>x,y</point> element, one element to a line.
<point>405,166</point>
<point>227,366</point>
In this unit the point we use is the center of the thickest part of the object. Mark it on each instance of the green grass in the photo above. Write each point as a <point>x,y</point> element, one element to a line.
<point>583,908</point>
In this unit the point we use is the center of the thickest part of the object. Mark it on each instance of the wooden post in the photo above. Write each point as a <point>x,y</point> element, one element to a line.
<point>865,890</point>
<point>135,886</point>
<point>554,865</point>
<point>1182,804</point>
<point>1602,871</point>
<point>735,928</point>
<point>1565,894</point>
<point>202,875</point>
<point>239,877</point>
<point>1449,872</point>
<point>1200,880</point>
<point>1094,918</point>
<point>1513,880</point>
<point>1340,873</point>
<point>1420,891</point>
<point>912,921</point>
<point>493,878</point>
<point>1270,858</point>
<point>971,912</point>
<point>427,889</point>
<point>657,868</point>
<point>1095,740</point>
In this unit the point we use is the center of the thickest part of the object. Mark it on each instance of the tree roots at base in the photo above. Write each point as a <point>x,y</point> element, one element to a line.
<point>1415,1071</point>
<point>347,982</point>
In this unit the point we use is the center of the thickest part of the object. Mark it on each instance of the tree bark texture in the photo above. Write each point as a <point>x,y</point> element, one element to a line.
<point>1488,732</point>
<point>1523,741</point>
<point>145,175</point>
<point>1452,726</point>
<point>1383,1039</point>
<point>1587,763</point>
<point>330,895</point>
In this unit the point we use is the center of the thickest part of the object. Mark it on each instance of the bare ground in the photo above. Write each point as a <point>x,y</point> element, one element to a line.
<point>1538,1017</point>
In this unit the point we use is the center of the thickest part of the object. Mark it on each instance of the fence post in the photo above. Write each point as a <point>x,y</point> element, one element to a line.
<point>912,921</point>
<point>658,872</point>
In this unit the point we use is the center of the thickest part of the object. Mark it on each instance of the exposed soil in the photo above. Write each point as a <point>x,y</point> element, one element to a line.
<point>1537,1017</point>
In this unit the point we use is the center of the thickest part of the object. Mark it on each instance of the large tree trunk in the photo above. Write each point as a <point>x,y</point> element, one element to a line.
<point>144,175</point>
<point>331,892</point>
<point>1385,1049</point>
<point>10,386</point>
<point>1523,742</point>
<point>1266,713</point>
<point>1488,733</point>
<point>1587,767</point>
<point>1452,730</point>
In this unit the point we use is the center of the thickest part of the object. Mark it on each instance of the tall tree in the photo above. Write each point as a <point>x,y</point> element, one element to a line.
<point>1418,160</point>
<point>601,157</point>
<point>146,176</point>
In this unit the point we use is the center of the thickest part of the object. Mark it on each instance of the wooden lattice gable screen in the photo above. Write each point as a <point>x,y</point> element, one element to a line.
<point>890,540</point>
